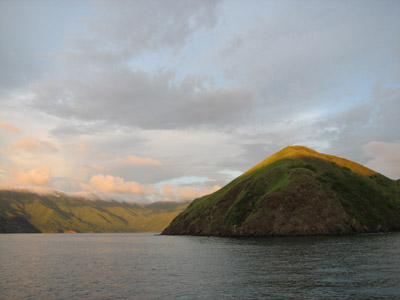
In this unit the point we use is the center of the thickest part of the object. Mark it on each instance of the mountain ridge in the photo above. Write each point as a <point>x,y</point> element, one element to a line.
<point>58,212</point>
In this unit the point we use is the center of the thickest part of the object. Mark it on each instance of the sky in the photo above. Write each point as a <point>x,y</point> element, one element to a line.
<point>146,101</point>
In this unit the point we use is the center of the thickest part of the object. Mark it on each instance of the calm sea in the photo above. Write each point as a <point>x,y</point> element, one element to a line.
<point>149,266</point>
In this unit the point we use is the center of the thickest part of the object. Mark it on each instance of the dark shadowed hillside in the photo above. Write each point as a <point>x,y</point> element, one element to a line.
<point>296,191</point>
<point>16,225</point>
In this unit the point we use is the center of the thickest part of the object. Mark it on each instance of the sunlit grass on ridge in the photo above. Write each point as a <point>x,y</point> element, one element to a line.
<point>301,151</point>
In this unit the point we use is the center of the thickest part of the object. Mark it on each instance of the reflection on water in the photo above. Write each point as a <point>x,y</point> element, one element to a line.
<point>148,266</point>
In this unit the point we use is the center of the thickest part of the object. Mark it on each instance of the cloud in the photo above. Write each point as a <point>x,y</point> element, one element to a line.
<point>168,191</point>
<point>37,176</point>
<point>9,127</point>
<point>135,26</point>
<point>234,44</point>
<point>202,86</point>
<point>137,99</point>
<point>33,144</point>
<point>192,193</point>
<point>89,169</point>
<point>105,65</point>
<point>22,58</point>
<point>176,193</point>
<point>136,160</point>
<point>283,65</point>
<point>347,130</point>
<point>111,184</point>
<point>96,167</point>
<point>385,157</point>
<point>80,146</point>
<point>298,57</point>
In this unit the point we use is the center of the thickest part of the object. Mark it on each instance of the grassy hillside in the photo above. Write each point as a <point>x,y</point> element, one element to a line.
<point>61,213</point>
<point>294,192</point>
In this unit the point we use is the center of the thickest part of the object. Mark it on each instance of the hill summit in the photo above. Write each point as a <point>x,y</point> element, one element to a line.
<point>296,191</point>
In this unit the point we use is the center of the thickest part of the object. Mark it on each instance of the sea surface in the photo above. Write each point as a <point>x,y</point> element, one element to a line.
<point>150,266</point>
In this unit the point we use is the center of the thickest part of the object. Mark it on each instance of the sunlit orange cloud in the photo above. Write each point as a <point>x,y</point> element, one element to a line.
<point>111,184</point>
<point>37,176</point>
<point>33,144</point>
<point>174,193</point>
<point>136,160</point>
<point>9,127</point>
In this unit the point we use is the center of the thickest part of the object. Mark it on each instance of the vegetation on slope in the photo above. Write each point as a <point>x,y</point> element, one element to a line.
<point>296,191</point>
<point>62,213</point>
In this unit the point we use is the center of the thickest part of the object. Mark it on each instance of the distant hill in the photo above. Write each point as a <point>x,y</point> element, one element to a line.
<point>61,213</point>
<point>296,191</point>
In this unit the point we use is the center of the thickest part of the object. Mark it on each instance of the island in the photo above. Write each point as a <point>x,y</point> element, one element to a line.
<point>297,191</point>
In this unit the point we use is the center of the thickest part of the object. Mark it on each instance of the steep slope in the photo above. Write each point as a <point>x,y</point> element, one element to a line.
<point>61,213</point>
<point>296,191</point>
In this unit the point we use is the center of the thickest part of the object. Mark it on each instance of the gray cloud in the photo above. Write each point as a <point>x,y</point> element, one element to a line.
<point>100,84</point>
<point>343,133</point>
<point>303,56</point>
<point>284,66</point>
<point>370,121</point>
<point>18,65</point>
<point>136,99</point>
<point>234,44</point>
<point>31,34</point>
<point>125,29</point>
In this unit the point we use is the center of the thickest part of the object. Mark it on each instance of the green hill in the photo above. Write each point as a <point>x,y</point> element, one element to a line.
<point>296,191</point>
<point>61,213</point>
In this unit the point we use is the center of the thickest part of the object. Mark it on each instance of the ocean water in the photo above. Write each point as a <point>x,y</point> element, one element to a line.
<point>150,266</point>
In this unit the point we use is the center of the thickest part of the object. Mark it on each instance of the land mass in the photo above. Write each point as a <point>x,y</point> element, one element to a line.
<point>296,191</point>
<point>23,211</point>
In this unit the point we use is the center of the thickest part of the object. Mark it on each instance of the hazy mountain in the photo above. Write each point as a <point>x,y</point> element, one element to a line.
<point>61,213</point>
<point>296,191</point>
